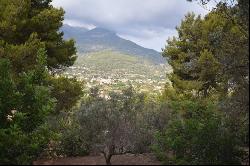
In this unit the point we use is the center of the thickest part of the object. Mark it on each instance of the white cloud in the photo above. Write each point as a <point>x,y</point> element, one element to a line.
<point>146,22</point>
<point>77,23</point>
<point>155,39</point>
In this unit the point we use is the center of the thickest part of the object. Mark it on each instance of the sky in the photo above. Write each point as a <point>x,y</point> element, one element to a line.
<point>148,23</point>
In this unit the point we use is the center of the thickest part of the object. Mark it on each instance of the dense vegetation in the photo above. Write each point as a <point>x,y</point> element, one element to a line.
<point>210,88</point>
<point>201,118</point>
<point>30,50</point>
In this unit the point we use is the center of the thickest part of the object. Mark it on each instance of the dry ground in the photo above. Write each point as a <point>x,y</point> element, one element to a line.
<point>127,159</point>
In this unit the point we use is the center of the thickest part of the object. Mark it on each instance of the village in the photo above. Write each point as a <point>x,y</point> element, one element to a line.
<point>118,79</point>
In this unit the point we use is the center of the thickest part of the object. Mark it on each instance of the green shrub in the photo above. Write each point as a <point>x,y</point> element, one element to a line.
<point>73,143</point>
<point>197,134</point>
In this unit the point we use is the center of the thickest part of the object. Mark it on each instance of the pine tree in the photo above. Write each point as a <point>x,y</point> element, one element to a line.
<point>19,20</point>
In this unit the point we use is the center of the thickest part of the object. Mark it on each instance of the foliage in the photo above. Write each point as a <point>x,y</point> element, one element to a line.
<point>71,140</point>
<point>20,19</point>
<point>22,129</point>
<point>202,118</point>
<point>18,147</point>
<point>30,48</point>
<point>123,122</point>
<point>209,94</point>
<point>196,134</point>
<point>74,144</point>
<point>210,59</point>
<point>66,91</point>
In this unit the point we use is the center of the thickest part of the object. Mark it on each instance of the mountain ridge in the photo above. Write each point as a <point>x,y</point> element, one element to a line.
<point>99,39</point>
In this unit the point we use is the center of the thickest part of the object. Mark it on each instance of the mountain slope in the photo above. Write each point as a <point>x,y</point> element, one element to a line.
<point>113,71</point>
<point>100,39</point>
<point>73,32</point>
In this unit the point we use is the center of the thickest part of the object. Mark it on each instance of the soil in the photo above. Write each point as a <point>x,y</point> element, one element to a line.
<point>127,159</point>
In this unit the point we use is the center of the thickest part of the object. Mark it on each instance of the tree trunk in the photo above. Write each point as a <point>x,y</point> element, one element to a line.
<point>108,159</point>
<point>108,153</point>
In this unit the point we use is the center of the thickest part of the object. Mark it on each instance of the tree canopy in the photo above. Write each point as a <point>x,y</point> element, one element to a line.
<point>31,48</point>
<point>20,20</point>
<point>209,91</point>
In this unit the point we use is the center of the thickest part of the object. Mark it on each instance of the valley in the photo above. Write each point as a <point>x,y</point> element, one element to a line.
<point>114,71</point>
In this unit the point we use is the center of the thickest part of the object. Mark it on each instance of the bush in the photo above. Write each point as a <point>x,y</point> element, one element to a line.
<point>73,144</point>
<point>196,134</point>
<point>24,106</point>
<point>123,123</point>
<point>70,140</point>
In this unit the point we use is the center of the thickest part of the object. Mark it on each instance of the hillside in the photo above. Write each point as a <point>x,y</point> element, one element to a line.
<point>100,39</point>
<point>73,32</point>
<point>114,71</point>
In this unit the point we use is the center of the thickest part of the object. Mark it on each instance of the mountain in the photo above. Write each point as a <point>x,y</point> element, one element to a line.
<point>113,63</point>
<point>73,32</point>
<point>100,39</point>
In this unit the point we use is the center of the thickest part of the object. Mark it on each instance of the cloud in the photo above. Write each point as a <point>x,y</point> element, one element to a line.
<point>150,38</point>
<point>144,21</point>
<point>79,24</point>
